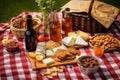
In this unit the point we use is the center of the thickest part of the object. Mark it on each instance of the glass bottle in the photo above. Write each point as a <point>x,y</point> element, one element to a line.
<point>55,27</point>
<point>30,35</point>
<point>66,22</point>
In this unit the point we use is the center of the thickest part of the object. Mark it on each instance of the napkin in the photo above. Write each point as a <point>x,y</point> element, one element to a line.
<point>3,27</point>
<point>104,13</point>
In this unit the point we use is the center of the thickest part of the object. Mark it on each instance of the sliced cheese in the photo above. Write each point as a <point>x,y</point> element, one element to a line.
<point>40,50</point>
<point>69,41</point>
<point>80,41</point>
<point>66,40</point>
<point>72,42</point>
<point>72,34</point>
<point>60,47</point>
<point>48,61</point>
<point>83,35</point>
<point>49,53</point>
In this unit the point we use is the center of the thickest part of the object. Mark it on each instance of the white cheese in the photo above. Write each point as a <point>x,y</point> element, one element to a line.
<point>49,53</point>
<point>66,40</point>
<point>60,47</point>
<point>80,41</point>
<point>48,61</point>
<point>40,49</point>
<point>69,41</point>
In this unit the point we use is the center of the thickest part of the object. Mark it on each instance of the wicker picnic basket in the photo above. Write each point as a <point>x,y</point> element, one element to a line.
<point>85,22</point>
<point>20,32</point>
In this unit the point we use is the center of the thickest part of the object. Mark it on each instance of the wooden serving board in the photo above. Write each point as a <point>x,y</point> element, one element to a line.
<point>39,65</point>
<point>32,61</point>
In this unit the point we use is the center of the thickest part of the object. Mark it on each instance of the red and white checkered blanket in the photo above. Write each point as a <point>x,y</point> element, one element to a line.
<point>16,66</point>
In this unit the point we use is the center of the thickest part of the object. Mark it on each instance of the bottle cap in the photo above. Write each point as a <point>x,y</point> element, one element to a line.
<point>67,9</point>
<point>29,16</point>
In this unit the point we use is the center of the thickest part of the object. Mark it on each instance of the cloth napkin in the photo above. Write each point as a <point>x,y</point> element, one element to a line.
<point>104,13</point>
<point>3,27</point>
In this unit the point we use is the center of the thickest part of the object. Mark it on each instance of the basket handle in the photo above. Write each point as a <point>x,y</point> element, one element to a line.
<point>90,8</point>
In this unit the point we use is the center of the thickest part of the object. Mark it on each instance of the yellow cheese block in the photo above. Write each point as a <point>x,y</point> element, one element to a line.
<point>83,35</point>
<point>72,42</point>
<point>72,34</point>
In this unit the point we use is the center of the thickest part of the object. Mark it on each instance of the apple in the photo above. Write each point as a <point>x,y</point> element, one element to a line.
<point>41,38</point>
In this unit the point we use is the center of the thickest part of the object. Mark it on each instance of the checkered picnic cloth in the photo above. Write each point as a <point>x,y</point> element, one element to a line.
<point>16,66</point>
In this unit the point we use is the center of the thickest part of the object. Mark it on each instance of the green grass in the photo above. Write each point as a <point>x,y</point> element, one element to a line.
<point>115,3</point>
<point>11,8</point>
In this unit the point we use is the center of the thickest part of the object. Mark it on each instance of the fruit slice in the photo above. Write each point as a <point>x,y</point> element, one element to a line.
<point>31,55</point>
<point>39,58</point>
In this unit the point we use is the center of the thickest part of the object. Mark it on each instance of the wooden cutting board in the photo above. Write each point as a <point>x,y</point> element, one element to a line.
<point>32,61</point>
<point>39,65</point>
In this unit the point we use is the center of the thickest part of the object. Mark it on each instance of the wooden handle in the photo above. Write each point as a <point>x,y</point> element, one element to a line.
<point>90,8</point>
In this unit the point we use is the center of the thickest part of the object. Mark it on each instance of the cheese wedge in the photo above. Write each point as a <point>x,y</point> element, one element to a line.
<point>69,41</point>
<point>72,34</point>
<point>83,35</point>
<point>60,47</point>
<point>49,53</point>
<point>80,41</point>
<point>48,61</point>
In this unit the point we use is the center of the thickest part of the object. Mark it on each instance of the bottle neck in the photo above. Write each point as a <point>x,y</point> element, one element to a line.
<point>53,16</point>
<point>29,24</point>
<point>66,14</point>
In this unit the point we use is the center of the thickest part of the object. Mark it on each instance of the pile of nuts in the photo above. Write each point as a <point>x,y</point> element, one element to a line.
<point>51,72</point>
<point>105,41</point>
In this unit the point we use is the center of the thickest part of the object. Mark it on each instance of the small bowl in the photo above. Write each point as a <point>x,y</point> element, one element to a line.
<point>10,45</point>
<point>88,64</point>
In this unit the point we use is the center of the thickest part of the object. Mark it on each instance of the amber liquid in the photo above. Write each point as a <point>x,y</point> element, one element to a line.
<point>66,26</point>
<point>55,31</point>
